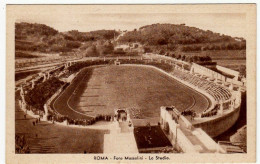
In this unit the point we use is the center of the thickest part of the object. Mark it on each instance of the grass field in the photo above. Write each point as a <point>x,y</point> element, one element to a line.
<point>103,89</point>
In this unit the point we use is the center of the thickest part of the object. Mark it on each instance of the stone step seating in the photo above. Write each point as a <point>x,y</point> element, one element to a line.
<point>231,147</point>
<point>218,92</point>
<point>38,145</point>
<point>41,149</point>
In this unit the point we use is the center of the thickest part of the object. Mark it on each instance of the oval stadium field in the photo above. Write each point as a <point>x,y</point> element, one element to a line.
<point>101,89</point>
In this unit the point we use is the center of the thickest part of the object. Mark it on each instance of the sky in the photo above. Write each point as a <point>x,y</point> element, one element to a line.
<point>233,24</point>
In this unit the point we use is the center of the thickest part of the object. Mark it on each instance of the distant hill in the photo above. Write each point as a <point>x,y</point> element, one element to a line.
<point>159,38</point>
<point>42,38</point>
<point>174,37</point>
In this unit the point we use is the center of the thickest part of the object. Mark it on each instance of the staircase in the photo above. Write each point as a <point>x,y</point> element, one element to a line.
<point>121,139</point>
<point>124,127</point>
<point>37,145</point>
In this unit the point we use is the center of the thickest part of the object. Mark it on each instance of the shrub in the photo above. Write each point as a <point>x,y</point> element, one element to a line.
<point>73,44</point>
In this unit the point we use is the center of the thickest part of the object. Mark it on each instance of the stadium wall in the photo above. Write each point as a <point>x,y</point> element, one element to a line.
<point>220,124</point>
<point>228,71</point>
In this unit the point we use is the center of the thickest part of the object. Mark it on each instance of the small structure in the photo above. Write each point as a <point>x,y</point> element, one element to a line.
<point>116,62</point>
<point>121,137</point>
<point>121,115</point>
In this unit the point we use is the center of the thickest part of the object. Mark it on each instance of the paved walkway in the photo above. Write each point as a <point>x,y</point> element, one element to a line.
<point>120,143</point>
<point>120,140</point>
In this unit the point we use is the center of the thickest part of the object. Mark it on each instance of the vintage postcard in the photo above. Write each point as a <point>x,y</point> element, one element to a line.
<point>131,83</point>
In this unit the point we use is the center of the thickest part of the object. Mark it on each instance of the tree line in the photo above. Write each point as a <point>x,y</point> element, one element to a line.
<point>223,46</point>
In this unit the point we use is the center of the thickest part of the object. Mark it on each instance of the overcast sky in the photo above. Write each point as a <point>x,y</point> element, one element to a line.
<point>233,24</point>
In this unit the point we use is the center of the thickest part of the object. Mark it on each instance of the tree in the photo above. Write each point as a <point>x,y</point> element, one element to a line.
<point>187,59</point>
<point>208,58</point>
<point>179,56</point>
<point>162,41</point>
<point>171,47</point>
<point>147,49</point>
<point>195,58</point>
<point>92,51</point>
<point>191,59</point>
<point>107,48</point>
<point>173,55</point>
<point>183,57</point>
<point>162,52</point>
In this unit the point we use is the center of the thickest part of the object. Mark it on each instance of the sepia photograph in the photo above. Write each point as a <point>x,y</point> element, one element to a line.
<point>121,82</point>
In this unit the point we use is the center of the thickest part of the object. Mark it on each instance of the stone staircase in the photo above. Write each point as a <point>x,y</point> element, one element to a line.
<point>120,140</point>
<point>124,127</point>
<point>37,145</point>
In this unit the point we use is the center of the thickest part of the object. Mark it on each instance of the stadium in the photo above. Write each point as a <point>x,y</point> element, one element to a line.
<point>141,102</point>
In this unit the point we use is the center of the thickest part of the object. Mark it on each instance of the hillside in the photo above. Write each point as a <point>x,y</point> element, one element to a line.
<point>189,43</point>
<point>181,38</point>
<point>31,38</point>
<point>181,41</point>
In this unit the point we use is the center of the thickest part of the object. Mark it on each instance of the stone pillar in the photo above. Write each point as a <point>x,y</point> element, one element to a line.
<point>231,86</point>
<point>20,104</point>
<point>33,84</point>
<point>191,70</point>
<point>45,112</point>
<point>48,75</point>
<point>22,95</point>
<point>44,77</point>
